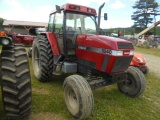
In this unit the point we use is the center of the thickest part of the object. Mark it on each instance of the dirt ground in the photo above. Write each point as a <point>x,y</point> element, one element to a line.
<point>153,62</point>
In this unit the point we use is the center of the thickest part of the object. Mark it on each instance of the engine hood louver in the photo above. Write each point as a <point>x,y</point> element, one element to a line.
<point>125,45</point>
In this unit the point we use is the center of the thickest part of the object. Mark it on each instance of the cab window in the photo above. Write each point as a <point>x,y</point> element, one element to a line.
<point>50,23</point>
<point>58,22</point>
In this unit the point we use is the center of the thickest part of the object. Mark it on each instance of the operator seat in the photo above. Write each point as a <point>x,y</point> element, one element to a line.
<point>72,44</point>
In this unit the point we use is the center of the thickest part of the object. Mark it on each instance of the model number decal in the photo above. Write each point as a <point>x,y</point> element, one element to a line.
<point>105,51</point>
<point>97,50</point>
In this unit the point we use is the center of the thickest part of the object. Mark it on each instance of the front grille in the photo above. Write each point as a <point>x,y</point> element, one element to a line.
<point>121,63</point>
<point>125,45</point>
<point>86,63</point>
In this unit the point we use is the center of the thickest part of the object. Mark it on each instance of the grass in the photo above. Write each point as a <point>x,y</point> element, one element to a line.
<point>109,103</point>
<point>151,51</point>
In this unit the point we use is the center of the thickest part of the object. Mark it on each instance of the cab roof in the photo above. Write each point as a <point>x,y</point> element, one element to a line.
<point>76,8</point>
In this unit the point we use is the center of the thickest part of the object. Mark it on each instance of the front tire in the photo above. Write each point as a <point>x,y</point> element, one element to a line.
<point>146,71</point>
<point>16,82</point>
<point>78,97</point>
<point>42,59</point>
<point>135,84</point>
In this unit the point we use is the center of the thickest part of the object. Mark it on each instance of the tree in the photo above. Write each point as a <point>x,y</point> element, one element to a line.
<point>144,13</point>
<point>1,23</point>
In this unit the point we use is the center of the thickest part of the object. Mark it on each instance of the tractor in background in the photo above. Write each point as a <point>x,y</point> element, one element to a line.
<point>148,40</point>
<point>27,40</point>
<point>139,62</point>
<point>15,79</point>
<point>24,39</point>
<point>72,44</point>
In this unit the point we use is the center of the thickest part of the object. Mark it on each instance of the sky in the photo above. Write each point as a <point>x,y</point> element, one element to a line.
<point>119,11</point>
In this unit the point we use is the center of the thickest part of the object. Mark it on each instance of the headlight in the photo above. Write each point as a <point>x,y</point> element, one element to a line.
<point>5,41</point>
<point>117,53</point>
<point>131,52</point>
<point>140,60</point>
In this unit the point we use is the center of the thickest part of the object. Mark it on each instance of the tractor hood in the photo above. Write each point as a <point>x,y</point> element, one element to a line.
<point>100,41</point>
<point>103,53</point>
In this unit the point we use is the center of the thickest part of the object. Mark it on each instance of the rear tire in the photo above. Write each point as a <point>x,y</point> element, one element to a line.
<point>78,97</point>
<point>16,82</point>
<point>42,59</point>
<point>135,84</point>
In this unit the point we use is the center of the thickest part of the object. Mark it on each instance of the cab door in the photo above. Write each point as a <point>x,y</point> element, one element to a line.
<point>55,26</point>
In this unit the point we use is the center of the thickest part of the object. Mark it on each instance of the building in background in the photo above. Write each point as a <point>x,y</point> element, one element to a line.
<point>22,27</point>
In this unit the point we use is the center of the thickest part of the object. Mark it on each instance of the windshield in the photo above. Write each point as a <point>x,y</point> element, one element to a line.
<point>82,24</point>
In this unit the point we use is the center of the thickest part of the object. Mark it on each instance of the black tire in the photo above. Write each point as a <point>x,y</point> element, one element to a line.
<point>78,97</point>
<point>146,71</point>
<point>16,82</point>
<point>135,84</point>
<point>42,59</point>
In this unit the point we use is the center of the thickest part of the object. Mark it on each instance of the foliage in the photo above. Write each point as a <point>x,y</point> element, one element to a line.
<point>1,23</point>
<point>128,31</point>
<point>143,16</point>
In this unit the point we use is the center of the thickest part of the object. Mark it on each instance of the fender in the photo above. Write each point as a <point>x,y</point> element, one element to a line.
<point>53,42</point>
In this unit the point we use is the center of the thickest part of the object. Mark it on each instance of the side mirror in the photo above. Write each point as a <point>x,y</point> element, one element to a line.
<point>105,16</point>
<point>58,9</point>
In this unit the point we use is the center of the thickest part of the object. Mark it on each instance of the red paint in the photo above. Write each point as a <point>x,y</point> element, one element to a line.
<point>53,42</point>
<point>135,62</point>
<point>24,39</point>
<point>98,41</point>
<point>72,7</point>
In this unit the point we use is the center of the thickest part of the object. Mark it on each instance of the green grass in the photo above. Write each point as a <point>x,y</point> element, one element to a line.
<point>151,51</point>
<point>109,103</point>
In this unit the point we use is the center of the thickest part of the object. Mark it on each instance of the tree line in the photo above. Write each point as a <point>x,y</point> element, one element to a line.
<point>145,14</point>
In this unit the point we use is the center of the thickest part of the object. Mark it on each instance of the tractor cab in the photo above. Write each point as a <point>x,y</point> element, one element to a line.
<point>69,21</point>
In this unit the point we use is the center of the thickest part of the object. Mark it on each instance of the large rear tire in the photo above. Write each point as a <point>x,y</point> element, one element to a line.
<point>16,82</point>
<point>135,83</point>
<point>78,97</point>
<point>42,59</point>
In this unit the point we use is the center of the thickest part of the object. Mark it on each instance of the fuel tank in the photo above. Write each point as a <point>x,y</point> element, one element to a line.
<point>103,53</point>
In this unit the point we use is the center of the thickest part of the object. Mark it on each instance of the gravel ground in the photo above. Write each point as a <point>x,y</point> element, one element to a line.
<point>153,62</point>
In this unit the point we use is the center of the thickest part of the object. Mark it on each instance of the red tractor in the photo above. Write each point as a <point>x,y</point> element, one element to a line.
<point>18,38</point>
<point>24,39</point>
<point>72,44</point>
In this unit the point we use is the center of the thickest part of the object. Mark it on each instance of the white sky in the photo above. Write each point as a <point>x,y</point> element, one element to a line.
<point>119,11</point>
